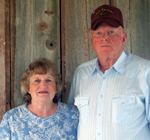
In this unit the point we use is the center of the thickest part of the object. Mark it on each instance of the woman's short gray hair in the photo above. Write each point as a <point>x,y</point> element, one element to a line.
<point>40,66</point>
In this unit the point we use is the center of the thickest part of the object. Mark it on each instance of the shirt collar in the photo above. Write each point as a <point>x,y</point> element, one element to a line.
<point>96,67</point>
<point>119,65</point>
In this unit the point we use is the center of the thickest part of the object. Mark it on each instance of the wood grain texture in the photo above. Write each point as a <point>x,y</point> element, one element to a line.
<point>2,60</point>
<point>124,7</point>
<point>12,35</point>
<point>37,25</point>
<point>139,28</point>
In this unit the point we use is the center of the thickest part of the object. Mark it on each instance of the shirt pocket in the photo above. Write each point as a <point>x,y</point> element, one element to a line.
<point>82,103</point>
<point>123,109</point>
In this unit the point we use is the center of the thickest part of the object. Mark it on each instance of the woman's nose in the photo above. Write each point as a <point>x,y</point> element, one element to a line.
<point>43,83</point>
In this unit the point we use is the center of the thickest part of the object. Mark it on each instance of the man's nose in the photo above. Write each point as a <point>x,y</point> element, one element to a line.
<point>105,37</point>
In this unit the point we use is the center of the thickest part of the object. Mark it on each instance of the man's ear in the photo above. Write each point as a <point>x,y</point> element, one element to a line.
<point>124,37</point>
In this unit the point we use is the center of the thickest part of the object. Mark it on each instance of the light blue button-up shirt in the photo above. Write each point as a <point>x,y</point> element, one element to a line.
<point>114,105</point>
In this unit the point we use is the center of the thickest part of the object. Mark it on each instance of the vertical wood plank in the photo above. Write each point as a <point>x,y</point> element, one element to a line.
<point>7,53</point>
<point>12,34</point>
<point>2,60</point>
<point>139,28</point>
<point>124,7</point>
<point>113,2</point>
<point>63,49</point>
<point>37,35</point>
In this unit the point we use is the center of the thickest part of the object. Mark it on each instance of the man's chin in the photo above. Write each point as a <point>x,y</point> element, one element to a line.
<point>106,53</point>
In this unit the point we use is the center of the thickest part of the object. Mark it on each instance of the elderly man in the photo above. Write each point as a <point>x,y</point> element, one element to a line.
<point>112,91</point>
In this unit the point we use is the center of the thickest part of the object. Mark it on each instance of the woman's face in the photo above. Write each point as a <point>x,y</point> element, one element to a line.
<point>42,88</point>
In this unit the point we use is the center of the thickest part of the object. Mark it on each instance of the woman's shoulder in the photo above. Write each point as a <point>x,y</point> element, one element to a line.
<point>15,111</point>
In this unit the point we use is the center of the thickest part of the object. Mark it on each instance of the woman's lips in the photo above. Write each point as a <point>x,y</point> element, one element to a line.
<point>43,91</point>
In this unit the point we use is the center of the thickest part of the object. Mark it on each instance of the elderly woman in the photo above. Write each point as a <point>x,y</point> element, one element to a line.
<point>43,117</point>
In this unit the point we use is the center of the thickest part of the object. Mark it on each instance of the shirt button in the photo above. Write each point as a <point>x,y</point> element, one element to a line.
<point>122,103</point>
<point>99,114</point>
<point>79,104</point>
<point>104,77</point>
<point>101,96</point>
<point>98,134</point>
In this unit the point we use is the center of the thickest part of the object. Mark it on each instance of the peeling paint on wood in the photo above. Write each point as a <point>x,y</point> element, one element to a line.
<point>43,26</point>
<point>49,13</point>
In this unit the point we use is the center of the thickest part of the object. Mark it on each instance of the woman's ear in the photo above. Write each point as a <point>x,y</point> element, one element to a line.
<point>29,90</point>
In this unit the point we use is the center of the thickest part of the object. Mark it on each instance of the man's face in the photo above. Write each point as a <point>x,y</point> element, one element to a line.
<point>108,41</point>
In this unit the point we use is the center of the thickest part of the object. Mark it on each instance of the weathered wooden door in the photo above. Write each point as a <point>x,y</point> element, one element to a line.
<point>37,35</point>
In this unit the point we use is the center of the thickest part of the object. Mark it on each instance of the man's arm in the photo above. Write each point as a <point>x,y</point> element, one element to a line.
<point>147,100</point>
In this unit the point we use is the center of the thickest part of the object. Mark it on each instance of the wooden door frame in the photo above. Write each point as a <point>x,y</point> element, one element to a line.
<point>7,53</point>
<point>10,34</point>
<point>62,48</point>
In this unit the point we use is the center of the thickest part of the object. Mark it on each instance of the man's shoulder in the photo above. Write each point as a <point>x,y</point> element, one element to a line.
<point>132,58</point>
<point>87,67</point>
<point>88,63</point>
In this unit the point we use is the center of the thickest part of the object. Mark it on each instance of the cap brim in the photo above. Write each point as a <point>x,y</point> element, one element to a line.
<point>109,21</point>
